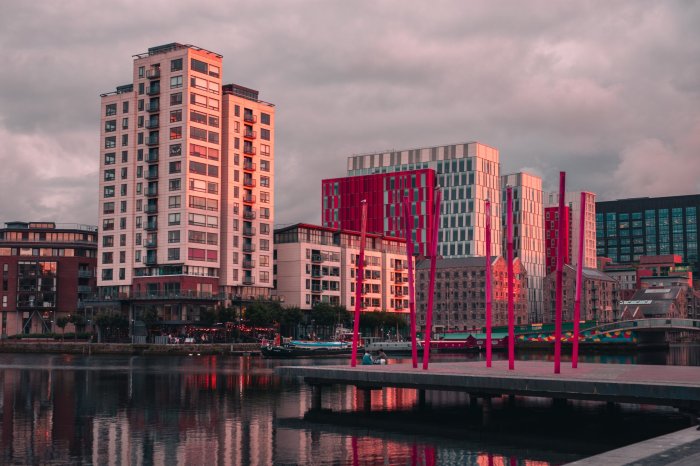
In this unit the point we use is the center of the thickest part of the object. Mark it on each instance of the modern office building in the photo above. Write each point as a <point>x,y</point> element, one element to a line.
<point>186,186</point>
<point>630,228</point>
<point>528,234</point>
<point>47,271</point>
<point>467,173</point>
<point>384,193</point>
<point>460,301</point>
<point>599,297</point>
<point>572,200</point>
<point>315,264</point>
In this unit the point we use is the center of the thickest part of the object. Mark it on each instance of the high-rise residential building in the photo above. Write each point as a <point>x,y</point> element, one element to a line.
<point>467,173</point>
<point>572,200</point>
<point>185,197</point>
<point>316,264</point>
<point>46,271</point>
<point>460,301</point>
<point>528,234</point>
<point>384,193</point>
<point>630,228</point>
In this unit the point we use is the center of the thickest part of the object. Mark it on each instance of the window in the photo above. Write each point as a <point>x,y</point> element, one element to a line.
<point>125,139</point>
<point>108,241</point>
<point>110,158</point>
<point>109,175</point>
<point>174,167</point>
<point>110,125</point>
<point>122,223</point>
<point>214,71</point>
<point>125,107</point>
<point>124,173</point>
<point>265,165</point>
<point>140,106</point>
<point>108,208</point>
<point>176,132</point>
<point>174,184</point>
<point>265,134</point>
<point>122,189</point>
<point>198,99</point>
<point>264,229</point>
<point>174,202</point>
<point>174,219</point>
<point>175,150</point>
<point>176,65</point>
<point>110,142</point>
<point>122,240</point>
<point>122,206</point>
<point>174,236</point>
<point>264,197</point>
<point>199,83</point>
<point>213,121</point>
<point>142,71</point>
<point>176,98</point>
<point>107,274</point>
<point>110,109</point>
<point>264,118</point>
<point>198,168</point>
<point>265,181</point>
<point>264,245</point>
<point>264,212</point>
<point>125,156</point>
<point>174,253</point>
<point>198,133</point>
<point>198,117</point>
<point>108,191</point>
<point>213,137</point>
<point>141,88</point>
<point>199,66</point>
<point>175,81</point>
<point>212,170</point>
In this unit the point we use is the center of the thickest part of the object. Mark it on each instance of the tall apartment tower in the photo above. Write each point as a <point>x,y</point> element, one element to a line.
<point>572,200</point>
<point>528,234</point>
<point>467,173</point>
<point>182,190</point>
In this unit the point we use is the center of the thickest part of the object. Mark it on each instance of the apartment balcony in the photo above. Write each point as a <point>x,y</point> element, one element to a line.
<point>86,274</point>
<point>152,124</point>
<point>153,90</point>
<point>85,289</point>
<point>151,209</point>
<point>150,260</point>
<point>151,175</point>
<point>316,273</point>
<point>399,293</point>
<point>248,280</point>
<point>249,199</point>
<point>153,107</point>
<point>151,243</point>
<point>316,288</point>
<point>250,118</point>
<point>248,264</point>
<point>152,141</point>
<point>316,258</point>
<point>249,214</point>
<point>250,134</point>
<point>399,266</point>
<point>151,226</point>
<point>249,150</point>
<point>248,248</point>
<point>152,158</point>
<point>249,183</point>
<point>151,192</point>
<point>250,231</point>
<point>249,167</point>
<point>153,73</point>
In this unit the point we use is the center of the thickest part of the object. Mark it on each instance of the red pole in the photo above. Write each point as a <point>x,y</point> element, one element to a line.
<point>408,230</point>
<point>559,294</point>
<point>431,285</point>
<point>511,312</point>
<point>355,455</point>
<point>359,276</point>
<point>488,283</point>
<point>579,281</point>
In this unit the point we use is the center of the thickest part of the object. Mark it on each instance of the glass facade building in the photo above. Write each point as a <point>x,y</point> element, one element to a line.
<point>630,228</point>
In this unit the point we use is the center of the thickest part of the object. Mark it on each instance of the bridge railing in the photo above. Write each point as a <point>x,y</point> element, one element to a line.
<point>651,323</point>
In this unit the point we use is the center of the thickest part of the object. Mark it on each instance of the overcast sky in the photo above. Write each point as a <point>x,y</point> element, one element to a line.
<point>607,91</point>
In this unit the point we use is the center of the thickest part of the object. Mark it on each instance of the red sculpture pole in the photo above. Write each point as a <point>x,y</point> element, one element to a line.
<point>431,285</point>
<point>359,276</point>
<point>511,312</point>
<point>408,230</point>
<point>488,283</point>
<point>579,282</point>
<point>559,294</point>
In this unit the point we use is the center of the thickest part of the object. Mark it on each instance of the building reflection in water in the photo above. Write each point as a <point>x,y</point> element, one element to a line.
<point>203,410</point>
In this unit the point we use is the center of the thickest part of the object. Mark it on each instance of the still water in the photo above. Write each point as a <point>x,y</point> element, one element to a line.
<point>231,410</point>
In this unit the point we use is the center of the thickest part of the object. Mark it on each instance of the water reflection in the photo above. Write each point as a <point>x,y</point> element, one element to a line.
<point>222,410</point>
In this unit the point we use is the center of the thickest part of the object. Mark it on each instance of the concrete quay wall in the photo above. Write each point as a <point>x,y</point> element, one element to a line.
<point>58,347</point>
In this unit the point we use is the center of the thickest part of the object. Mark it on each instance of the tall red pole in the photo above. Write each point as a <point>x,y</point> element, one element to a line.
<point>559,294</point>
<point>431,285</point>
<point>408,230</point>
<point>579,281</point>
<point>488,283</point>
<point>359,277</point>
<point>511,312</point>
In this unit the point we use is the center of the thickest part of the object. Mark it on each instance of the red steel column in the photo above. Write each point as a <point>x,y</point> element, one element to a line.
<point>579,281</point>
<point>559,294</point>
<point>511,312</point>
<point>488,283</point>
<point>408,230</point>
<point>431,286</point>
<point>359,276</point>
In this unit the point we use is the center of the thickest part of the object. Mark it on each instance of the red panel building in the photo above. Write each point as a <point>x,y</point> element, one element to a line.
<point>551,231</point>
<point>384,193</point>
<point>46,272</point>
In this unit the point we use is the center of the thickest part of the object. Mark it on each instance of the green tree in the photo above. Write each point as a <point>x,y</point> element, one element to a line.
<point>77,321</point>
<point>261,314</point>
<point>227,314</point>
<point>289,318</point>
<point>207,317</point>
<point>61,322</point>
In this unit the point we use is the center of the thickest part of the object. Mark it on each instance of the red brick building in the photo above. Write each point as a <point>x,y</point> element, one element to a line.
<point>47,271</point>
<point>551,232</point>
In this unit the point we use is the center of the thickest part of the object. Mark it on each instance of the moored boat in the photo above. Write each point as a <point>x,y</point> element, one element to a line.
<point>309,349</point>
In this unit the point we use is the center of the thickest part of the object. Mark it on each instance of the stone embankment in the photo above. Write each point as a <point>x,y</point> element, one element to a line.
<point>52,346</point>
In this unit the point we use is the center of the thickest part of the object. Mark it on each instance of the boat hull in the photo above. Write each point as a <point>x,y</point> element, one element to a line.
<point>288,352</point>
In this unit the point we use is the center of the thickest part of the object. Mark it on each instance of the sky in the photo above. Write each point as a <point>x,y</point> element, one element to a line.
<point>607,91</point>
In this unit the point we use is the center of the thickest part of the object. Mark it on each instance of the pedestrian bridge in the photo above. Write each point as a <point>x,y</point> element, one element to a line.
<point>651,324</point>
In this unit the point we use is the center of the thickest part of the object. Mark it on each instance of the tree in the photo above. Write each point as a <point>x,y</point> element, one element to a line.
<point>112,325</point>
<point>289,318</point>
<point>207,317</point>
<point>260,314</point>
<point>61,322</point>
<point>77,321</point>
<point>227,314</point>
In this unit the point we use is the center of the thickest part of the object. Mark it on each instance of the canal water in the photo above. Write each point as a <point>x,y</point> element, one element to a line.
<point>58,409</point>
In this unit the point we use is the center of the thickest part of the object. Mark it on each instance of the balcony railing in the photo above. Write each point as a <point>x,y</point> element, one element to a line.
<point>151,175</point>
<point>316,258</point>
<point>316,273</point>
<point>176,295</point>
<point>250,118</point>
<point>151,243</point>
<point>249,214</point>
<point>152,158</point>
<point>152,260</point>
<point>152,124</point>
<point>249,183</point>
<point>250,134</point>
<point>249,150</point>
<point>152,141</point>
<point>152,192</point>
<point>85,274</point>
<point>150,226</point>
<point>316,289</point>
<point>153,107</point>
<point>248,248</point>
<point>249,167</point>
<point>153,90</point>
<point>248,280</point>
<point>249,198</point>
<point>85,289</point>
<point>153,73</point>
<point>249,264</point>
<point>151,209</point>
<point>250,231</point>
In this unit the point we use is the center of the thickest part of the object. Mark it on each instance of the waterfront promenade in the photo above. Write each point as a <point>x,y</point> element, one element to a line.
<point>677,386</point>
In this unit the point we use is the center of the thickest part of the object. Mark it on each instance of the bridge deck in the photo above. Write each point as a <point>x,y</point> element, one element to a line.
<point>659,385</point>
